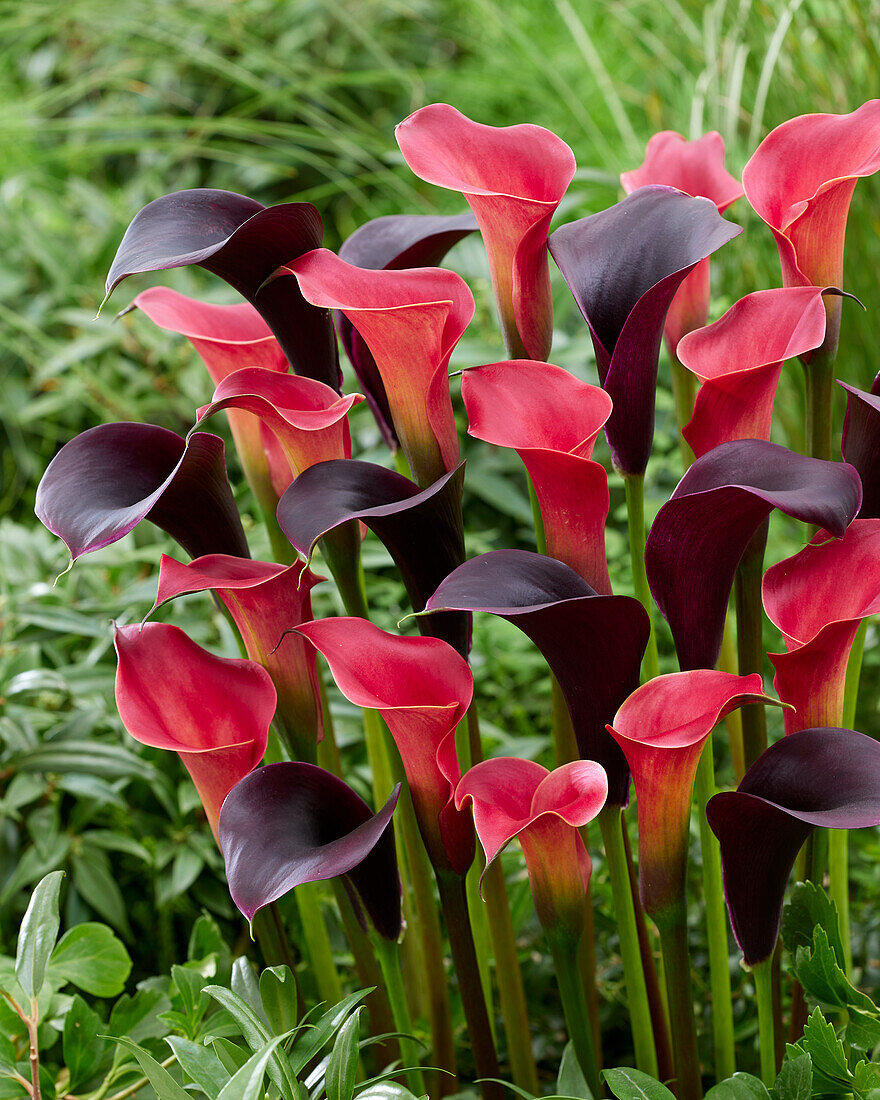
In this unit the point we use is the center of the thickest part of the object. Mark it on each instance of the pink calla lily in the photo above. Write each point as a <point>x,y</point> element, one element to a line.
<point>817,599</point>
<point>214,712</point>
<point>552,420</point>
<point>513,178</point>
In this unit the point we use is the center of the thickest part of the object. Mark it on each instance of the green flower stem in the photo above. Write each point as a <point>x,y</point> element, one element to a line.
<point>317,942</point>
<point>401,464</point>
<point>635,518</point>
<point>750,639</point>
<point>761,972</point>
<point>684,390</point>
<point>677,969</point>
<point>282,552</point>
<point>564,949</point>
<point>537,518</point>
<point>728,662</point>
<point>453,900</point>
<point>636,990</point>
<point>819,380</point>
<point>388,955</point>
<point>716,924</point>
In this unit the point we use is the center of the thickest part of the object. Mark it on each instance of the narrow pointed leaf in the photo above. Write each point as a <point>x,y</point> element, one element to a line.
<point>37,934</point>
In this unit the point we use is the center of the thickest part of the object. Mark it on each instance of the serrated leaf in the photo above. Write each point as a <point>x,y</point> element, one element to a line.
<point>315,1036</point>
<point>91,958</point>
<point>38,933</point>
<point>820,1041</point>
<point>570,1080</point>
<point>202,1065</point>
<point>247,1083</point>
<point>632,1084</point>
<point>795,1080</point>
<point>866,1078</point>
<point>279,998</point>
<point>164,1085</point>
<point>341,1072</point>
<point>95,883</point>
<point>85,1054</point>
<point>809,906</point>
<point>817,969</point>
<point>256,1036</point>
<point>742,1086</point>
<point>862,1030</point>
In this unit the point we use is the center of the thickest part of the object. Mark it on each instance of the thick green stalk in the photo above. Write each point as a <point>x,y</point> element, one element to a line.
<point>317,942</point>
<point>564,950</point>
<point>401,464</point>
<point>537,518</point>
<point>750,639</point>
<point>388,954</point>
<point>635,518</point>
<point>716,923</point>
<point>762,973</point>
<point>679,989</point>
<point>684,389</point>
<point>636,990</point>
<point>819,380</point>
<point>728,662</point>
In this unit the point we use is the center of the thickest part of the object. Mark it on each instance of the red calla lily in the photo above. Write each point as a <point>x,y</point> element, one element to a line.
<point>518,798</point>
<point>697,168</point>
<point>214,712</point>
<point>422,688</point>
<point>817,599</point>
<point>551,419</point>
<point>739,358</point>
<point>513,178</point>
<point>411,321</point>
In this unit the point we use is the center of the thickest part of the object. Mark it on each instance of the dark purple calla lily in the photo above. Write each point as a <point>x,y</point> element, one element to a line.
<point>106,480</point>
<point>243,242</point>
<point>700,534</point>
<point>828,777</point>
<point>421,528</point>
<point>861,443</point>
<point>593,644</point>
<point>287,824</point>
<point>623,267</point>
<point>393,242</point>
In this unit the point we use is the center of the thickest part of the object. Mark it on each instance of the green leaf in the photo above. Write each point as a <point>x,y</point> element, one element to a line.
<point>190,984</point>
<point>85,1054</point>
<point>207,939</point>
<point>164,1085</point>
<point>185,869</point>
<point>862,1031</point>
<point>570,1080</point>
<point>387,1090</point>
<point>742,1086</point>
<point>278,998</point>
<point>314,1037</point>
<point>91,958</point>
<point>204,1067</point>
<point>828,1055</point>
<point>341,1072</point>
<point>89,757</point>
<point>810,906</point>
<point>38,933</point>
<point>821,976</point>
<point>138,1016</point>
<point>94,881</point>
<point>247,1084</point>
<point>230,1054</point>
<point>244,984</point>
<point>256,1036</point>
<point>795,1080</point>
<point>866,1078</point>
<point>632,1084</point>
<point>7,1054</point>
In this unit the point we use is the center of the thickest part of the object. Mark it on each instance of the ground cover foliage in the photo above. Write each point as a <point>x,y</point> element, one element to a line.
<point>102,108</point>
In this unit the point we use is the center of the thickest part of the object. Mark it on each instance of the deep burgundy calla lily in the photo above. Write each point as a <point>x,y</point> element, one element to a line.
<point>213,712</point>
<point>107,479</point>
<point>518,798</point>
<point>308,420</point>
<point>697,168</point>
<point>551,419</point>
<point>292,823</point>
<point>623,267</point>
<point>593,644</point>
<point>817,599</point>
<point>411,321</point>
<point>422,688</point>
<point>662,728</point>
<point>828,777</point>
<point>513,178</point>
<point>700,534</point>
<point>800,181</point>
<point>861,443</point>
<point>739,358</point>
<point>421,528</point>
<point>393,242</point>
<point>266,601</point>
<point>243,242</point>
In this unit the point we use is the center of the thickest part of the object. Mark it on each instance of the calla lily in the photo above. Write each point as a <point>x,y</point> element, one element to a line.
<point>739,358</point>
<point>662,728</point>
<point>215,713</point>
<point>697,168</point>
<point>292,823</point>
<point>826,777</point>
<point>800,181</point>
<point>411,321</point>
<point>593,644</point>
<point>266,601</point>
<point>518,798</point>
<point>623,267</point>
<point>861,443</point>
<point>701,533</point>
<point>393,242</point>
<point>513,178</point>
<point>422,688</point>
<point>819,616</point>
<point>308,420</point>
<point>551,419</point>
<point>243,242</point>
<point>103,482</point>
<point>421,529</point>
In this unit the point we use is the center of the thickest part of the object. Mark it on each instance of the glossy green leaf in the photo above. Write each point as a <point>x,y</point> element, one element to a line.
<point>830,1069</point>
<point>742,1086</point>
<point>632,1084</point>
<point>570,1080</point>
<point>244,983</point>
<point>138,1016</point>
<point>862,1030</point>
<point>256,1036</point>
<point>207,939</point>
<point>38,933</point>
<point>341,1072</point>
<point>817,969</point>
<point>85,1054</point>
<point>164,1085</point>
<point>795,1080</point>
<point>318,1034</point>
<point>201,1064</point>
<point>247,1084</point>
<point>230,1054</point>
<point>278,997</point>
<point>94,881</point>
<point>91,958</point>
